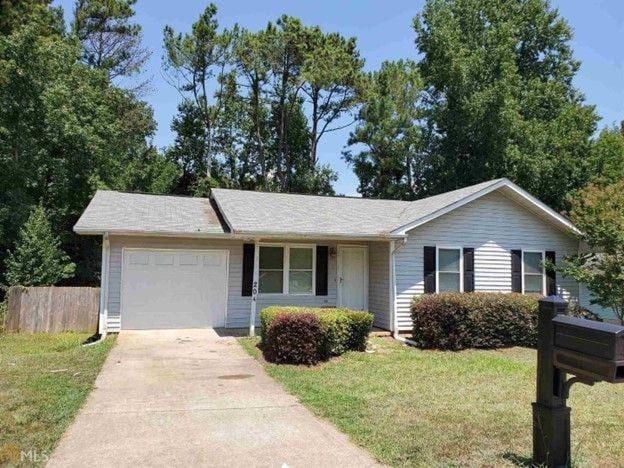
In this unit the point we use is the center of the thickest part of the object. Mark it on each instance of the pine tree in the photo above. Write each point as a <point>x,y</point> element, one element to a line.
<point>37,258</point>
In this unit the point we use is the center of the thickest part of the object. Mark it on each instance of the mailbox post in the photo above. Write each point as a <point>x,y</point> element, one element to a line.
<point>591,351</point>
<point>551,416</point>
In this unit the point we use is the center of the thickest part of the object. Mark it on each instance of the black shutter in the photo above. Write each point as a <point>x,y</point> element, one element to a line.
<point>551,275</point>
<point>248,266</point>
<point>321,270</point>
<point>430,269</point>
<point>469,279</point>
<point>516,271</point>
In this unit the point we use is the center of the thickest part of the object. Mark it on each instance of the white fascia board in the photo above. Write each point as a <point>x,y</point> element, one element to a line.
<point>501,183</point>
<point>315,236</point>
<point>542,207</point>
<point>121,232</point>
<point>239,235</point>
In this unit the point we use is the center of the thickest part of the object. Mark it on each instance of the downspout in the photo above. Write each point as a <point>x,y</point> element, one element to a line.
<point>395,322</point>
<point>406,341</point>
<point>104,285</point>
<point>103,292</point>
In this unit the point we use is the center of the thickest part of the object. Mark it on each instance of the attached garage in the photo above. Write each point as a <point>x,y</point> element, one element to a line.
<point>173,288</point>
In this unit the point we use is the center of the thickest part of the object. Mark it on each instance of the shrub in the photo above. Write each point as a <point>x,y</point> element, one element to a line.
<point>343,329</point>
<point>474,320</point>
<point>478,320</point>
<point>294,339</point>
<point>360,326</point>
<point>37,258</point>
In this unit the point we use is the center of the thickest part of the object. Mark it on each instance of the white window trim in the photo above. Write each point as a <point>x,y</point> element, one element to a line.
<point>543,253</point>
<point>286,269</point>
<point>461,265</point>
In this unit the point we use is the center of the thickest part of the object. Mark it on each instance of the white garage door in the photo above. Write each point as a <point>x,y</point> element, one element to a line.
<point>173,288</point>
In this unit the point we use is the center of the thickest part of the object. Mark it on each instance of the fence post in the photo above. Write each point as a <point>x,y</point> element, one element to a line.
<point>551,416</point>
<point>13,312</point>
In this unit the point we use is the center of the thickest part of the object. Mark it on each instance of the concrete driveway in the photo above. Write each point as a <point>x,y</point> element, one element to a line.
<point>191,398</point>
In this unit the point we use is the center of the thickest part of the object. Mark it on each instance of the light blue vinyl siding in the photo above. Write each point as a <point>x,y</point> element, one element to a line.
<point>493,225</point>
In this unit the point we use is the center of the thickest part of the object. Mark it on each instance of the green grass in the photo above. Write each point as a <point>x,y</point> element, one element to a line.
<point>411,407</point>
<point>44,380</point>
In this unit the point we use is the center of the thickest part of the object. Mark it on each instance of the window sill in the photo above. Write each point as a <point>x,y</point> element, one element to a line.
<point>284,294</point>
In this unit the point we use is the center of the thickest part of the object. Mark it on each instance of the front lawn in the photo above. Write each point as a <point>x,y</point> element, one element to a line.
<point>415,407</point>
<point>44,380</point>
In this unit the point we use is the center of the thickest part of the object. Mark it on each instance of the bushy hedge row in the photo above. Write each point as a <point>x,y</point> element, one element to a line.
<point>476,320</point>
<point>342,330</point>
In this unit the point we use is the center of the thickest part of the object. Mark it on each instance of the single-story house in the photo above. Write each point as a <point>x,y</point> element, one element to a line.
<point>183,262</point>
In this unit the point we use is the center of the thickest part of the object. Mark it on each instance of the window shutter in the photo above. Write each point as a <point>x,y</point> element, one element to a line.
<point>551,275</point>
<point>248,266</point>
<point>322,252</point>
<point>430,269</point>
<point>469,279</point>
<point>516,271</point>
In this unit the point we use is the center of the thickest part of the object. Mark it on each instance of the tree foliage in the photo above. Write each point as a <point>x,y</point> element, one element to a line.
<point>598,211</point>
<point>110,41</point>
<point>265,99</point>
<point>499,88</point>
<point>606,157</point>
<point>38,259</point>
<point>491,95</point>
<point>65,131</point>
<point>17,13</point>
<point>389,138</point>
<point>196,62</point>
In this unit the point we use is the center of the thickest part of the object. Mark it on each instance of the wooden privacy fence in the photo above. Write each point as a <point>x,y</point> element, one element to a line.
<point>52,309</point>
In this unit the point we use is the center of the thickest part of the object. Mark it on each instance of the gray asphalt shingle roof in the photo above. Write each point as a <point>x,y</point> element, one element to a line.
<point>111,211</point>
<point>248,212</point>
<point>282,213</point>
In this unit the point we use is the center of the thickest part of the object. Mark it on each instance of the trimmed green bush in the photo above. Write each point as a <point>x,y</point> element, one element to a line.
<point>343,329</point>
<point>360,326</point>
<point>294,339</point>
<point>477,320</point>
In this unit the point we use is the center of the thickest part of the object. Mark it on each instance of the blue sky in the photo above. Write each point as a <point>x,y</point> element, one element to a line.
<point>383,31</point>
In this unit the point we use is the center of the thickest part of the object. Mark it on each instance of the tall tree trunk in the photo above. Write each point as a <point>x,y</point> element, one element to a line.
<point>258,128</point>
<point>281,131</point>
<point>315,119</point>
<point>408,170</point>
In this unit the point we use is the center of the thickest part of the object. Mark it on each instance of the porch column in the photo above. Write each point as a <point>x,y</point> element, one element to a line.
<point>254,290</point>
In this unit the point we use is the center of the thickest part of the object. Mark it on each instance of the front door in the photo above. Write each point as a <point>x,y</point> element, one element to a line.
<point>353,277</point>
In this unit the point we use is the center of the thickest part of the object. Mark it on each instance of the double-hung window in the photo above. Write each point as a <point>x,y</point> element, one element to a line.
<point>449,269</point>
<point>300,270</point>
<point>271,269</point>
<point>533,272</point>
<point>286,269</point>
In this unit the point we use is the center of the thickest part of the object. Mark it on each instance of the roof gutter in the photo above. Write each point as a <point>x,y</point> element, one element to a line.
<point>239,235</point>
<point>315,236</point>
<point>122,232</point>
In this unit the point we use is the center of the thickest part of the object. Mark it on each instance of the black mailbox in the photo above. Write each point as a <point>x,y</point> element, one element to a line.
<point>588,349</point>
